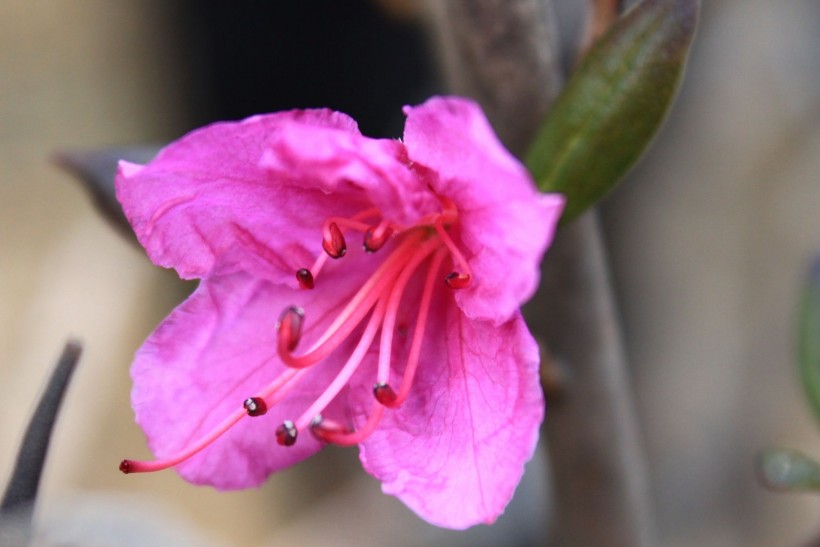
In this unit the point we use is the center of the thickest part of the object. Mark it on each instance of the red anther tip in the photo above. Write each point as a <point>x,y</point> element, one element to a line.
<point>305,278</point>
<point>334,243</point>
<point>286,433</point>
<point>327,430</point>
<point>384,394</point>
<point>255,406</point>
<point>125,466</point>
<point>374,239</point>
<point>457,280</point>
<point>289,326</point>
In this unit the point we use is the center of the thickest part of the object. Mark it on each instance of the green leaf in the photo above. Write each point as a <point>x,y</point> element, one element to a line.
<point>614,103</point>
<point>785,469</point>
<point>809,338</point>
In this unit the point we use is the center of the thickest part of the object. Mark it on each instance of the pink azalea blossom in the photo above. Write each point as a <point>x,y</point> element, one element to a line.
<point>278,350</point>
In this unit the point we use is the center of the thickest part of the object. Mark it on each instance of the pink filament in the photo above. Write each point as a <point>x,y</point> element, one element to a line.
<point>356,309</point>
<point>138,466</point>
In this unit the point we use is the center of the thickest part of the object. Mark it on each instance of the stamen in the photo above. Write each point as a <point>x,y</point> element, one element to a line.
<point>255,406</point>
<point>134,466</point>
<point>322,429</point>
<point>456,280</point>
<point>275,390</point>
<point>358,306</point>
<point>332,432</point>
<point>353,362</point>
<point>305,278</point>
<point>418,332</point>
<point>384,394</point>
<point>462,278</point>
<point>286,433</point>
<point>333,241</point>
<point>376,236</point>
<point>386,343</point>
<point>289,327</point>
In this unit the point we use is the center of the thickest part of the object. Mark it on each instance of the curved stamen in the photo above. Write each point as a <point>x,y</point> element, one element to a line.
<point>348,369</point>
<point>386,343</point>
<point>356,309</point>
<point>332,432</point>
<point>276,389</point>
<point>376,236</point>
<point>463,277</point>
<point>418,334</point>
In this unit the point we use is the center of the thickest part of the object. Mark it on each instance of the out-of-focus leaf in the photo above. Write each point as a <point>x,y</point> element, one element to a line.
<point>96,171</point>
<point>21,492</point>
<point>615,101</point>
<point>809,338</point>
<point>787,470</point>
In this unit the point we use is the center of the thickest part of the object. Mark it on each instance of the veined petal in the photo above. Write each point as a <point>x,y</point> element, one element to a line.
<point>505,224</point>
<point>214,351</point>
<point>455,451</point>
<point>214,202</point>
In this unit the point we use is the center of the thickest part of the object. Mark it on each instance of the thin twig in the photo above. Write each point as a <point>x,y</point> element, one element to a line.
<point>21,492</point>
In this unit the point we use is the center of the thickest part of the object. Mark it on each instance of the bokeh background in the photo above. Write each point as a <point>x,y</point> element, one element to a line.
<point>709,238</point>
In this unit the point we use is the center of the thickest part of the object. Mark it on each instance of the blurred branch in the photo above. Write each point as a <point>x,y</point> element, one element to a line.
<point>504,54</point>
<point>21,492</point>
<point>599,474</point>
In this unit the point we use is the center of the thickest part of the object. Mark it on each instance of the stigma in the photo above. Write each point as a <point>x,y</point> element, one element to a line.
<point>425,252</point>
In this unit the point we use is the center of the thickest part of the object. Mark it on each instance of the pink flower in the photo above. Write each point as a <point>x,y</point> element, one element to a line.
<point>453,232</point>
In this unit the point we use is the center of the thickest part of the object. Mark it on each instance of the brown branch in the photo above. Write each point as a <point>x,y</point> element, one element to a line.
<point>503,53</point>
<point>600,484</point>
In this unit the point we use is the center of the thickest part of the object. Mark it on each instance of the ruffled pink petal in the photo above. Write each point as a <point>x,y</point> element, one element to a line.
<point>455,451</point>
<point>214,351</point>
<point>242,196</point>
<point>505,223</point>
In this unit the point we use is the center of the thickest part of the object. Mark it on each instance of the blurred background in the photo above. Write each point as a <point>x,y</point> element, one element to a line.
<point>709,238</point>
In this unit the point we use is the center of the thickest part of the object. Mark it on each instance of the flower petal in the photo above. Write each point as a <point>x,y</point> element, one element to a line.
<point>455,451</point>
<point>505,223</point>
<point>214,351</point>
<point>241,196</point>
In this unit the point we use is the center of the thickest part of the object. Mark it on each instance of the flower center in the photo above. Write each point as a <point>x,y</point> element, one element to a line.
<point>422,247</point>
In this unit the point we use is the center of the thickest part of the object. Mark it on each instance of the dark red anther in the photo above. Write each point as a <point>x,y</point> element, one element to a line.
<point>376,236</point>
<point>255,406</point>
<point>325,430</point>
<point>125,466</point>
<point>286,433</point>
<point>334,242</point>
<point>457,280</point>
<point>384,394</point>
<point>305,278</point>
<point>289,327</point>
